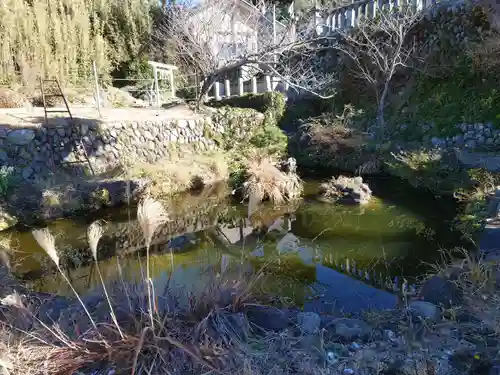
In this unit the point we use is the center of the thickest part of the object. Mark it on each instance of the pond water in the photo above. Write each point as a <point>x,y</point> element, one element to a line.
<point>321,256</point>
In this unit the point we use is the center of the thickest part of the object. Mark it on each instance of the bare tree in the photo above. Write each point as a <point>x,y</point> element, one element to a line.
<point>220,37</point>
<point>379,48</point>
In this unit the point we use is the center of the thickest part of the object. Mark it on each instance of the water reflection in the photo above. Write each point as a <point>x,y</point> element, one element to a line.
<point>350,257</point>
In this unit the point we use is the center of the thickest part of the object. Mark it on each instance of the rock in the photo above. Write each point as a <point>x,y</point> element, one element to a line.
<point>61,131</point>
<point>435,141</point>
<point>346,329</point>
<point>84,129</point>
<point>3,156</point>
<point>309,322</point>
<point>27,173</point>
<point>495,369</point>
<point>470,143</point>
<point>441,292</point>
<point>345,190</point>
<point>6,220</point>
<point>425,310</point>
<point>267,318</point>
<point>21,137</point>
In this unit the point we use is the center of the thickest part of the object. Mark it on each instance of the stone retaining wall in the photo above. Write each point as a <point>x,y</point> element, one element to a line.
<point>466,136</point>
<point>37,151</point>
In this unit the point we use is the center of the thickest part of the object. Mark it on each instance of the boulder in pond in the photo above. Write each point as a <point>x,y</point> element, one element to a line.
<point>442,292</point>
<point>345,190</point>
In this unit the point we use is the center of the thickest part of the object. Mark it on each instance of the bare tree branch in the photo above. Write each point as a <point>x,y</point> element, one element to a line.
<point>223,37</point>
<point>378,48</point>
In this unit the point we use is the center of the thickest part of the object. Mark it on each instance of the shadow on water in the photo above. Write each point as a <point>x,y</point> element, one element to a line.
<point>310,248</point>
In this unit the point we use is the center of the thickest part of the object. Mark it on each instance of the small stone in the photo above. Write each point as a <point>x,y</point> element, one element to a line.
<point>489,141</point>
<point>61,131</point>
<point>113,133</point>
<point>349,329</point>
<point>6,220</point>
<point>425,310</point>
<point>27,173</point>
<point>435,141</point>
<point>309,322</point>
<point>470,144</point>
<point>84,129</point>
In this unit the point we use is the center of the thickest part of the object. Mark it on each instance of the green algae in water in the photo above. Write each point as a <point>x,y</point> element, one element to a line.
<point>389,237</point>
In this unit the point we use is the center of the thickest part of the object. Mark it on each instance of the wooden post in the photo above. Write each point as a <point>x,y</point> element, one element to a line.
<point>217,90</point>
<point>97,93</point>
<point>172,83</point>
<point>227,88</point>
<point>254,85</point>
<point>157,86</point>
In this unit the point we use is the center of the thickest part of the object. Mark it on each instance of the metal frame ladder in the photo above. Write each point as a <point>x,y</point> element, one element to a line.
<point>60,93</point>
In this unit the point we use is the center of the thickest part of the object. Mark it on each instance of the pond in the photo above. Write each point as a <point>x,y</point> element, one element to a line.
<point>320,256</point>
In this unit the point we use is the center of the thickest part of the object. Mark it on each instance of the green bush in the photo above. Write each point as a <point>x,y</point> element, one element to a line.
<point>271,104</point>
<point>429,169</point>
<point>6,179</point>
<point>267,136</point>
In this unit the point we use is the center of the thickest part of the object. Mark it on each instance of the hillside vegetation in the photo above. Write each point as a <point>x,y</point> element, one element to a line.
<point>62,37</point>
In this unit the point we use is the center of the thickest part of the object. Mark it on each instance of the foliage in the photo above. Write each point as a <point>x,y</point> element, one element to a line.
<point>62,37</point>
<point>474,205</point>
<point>241,127</point>
<point>7,179</point>
<point>465,95</point>
<point>429,169</point>
<point>329,142</point>
<point>271,104</point>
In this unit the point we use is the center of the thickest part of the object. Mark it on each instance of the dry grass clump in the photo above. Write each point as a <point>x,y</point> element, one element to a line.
<point>193,333</point>
<point>182,173</point>
<point>11,99</point>
<point>266,182</point>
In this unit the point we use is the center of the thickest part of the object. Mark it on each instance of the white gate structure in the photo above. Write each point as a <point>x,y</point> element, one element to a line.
<point>161,72</point>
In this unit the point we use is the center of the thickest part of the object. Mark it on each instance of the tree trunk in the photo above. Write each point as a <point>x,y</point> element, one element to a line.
<point>381,105</point>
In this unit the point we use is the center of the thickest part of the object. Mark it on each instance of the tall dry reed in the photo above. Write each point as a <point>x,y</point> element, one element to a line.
<point>151,216</point>
<point>47,242</point>
<point>94,234</point>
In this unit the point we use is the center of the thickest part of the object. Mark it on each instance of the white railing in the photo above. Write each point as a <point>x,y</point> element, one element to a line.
<point>350,15</point>
<point>254,85</point>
